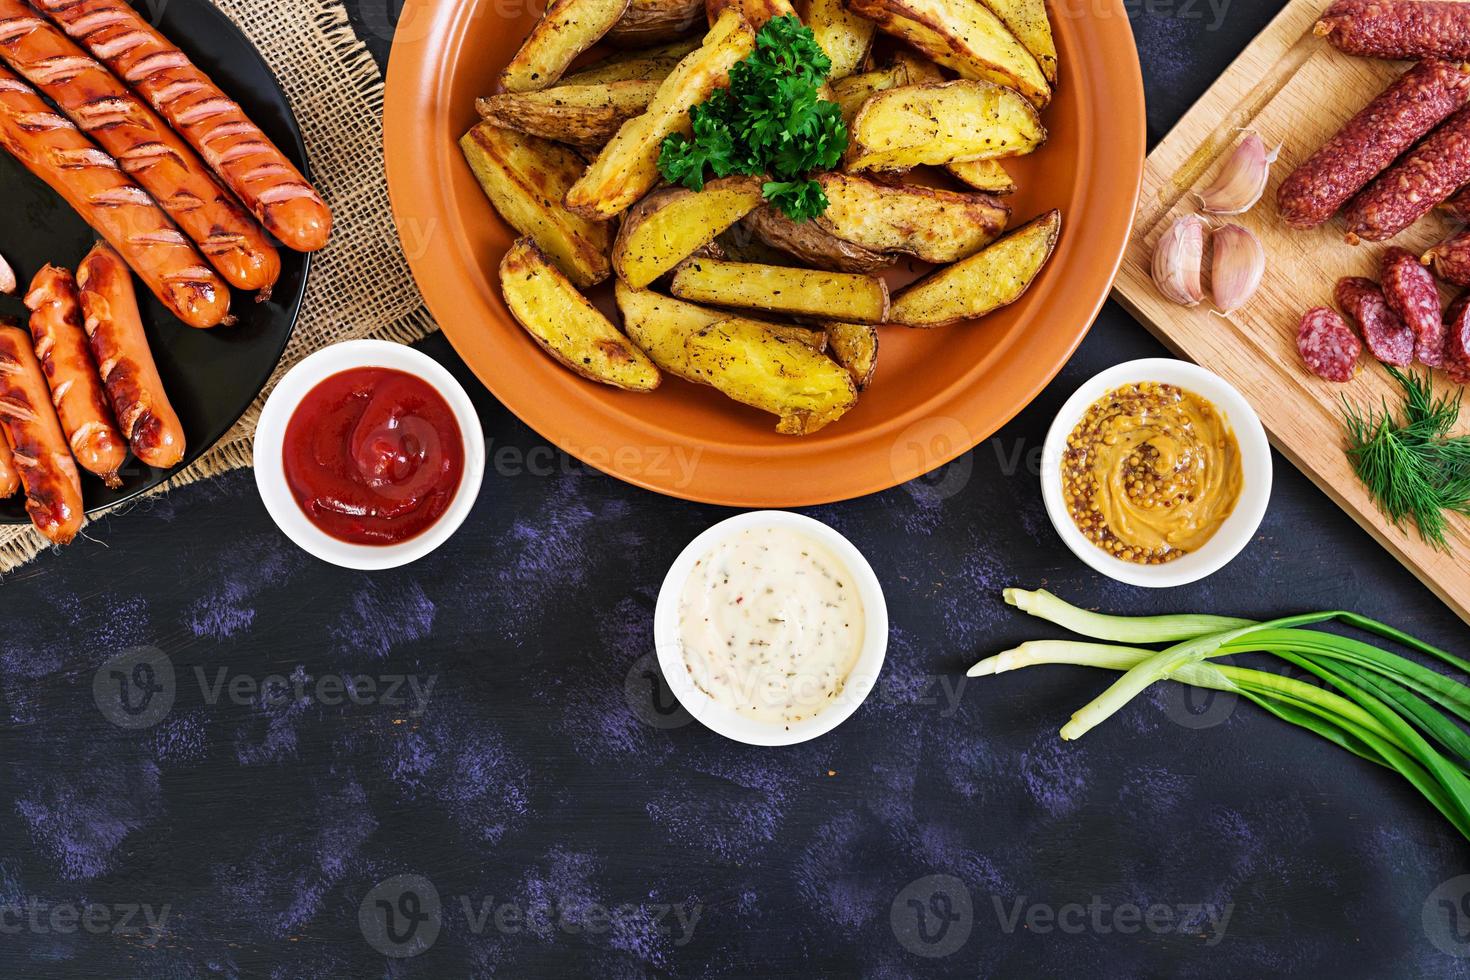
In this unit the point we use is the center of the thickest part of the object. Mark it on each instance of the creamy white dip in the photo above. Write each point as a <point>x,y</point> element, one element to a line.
<point>770,624</point>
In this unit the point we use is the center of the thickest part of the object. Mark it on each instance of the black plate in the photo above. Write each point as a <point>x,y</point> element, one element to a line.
<point>211,376</point>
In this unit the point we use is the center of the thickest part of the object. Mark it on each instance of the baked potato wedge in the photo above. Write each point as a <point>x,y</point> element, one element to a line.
<point>648,65</point>
<point>568,28</point>
<point>919,69</point>
<point>672,223</point>
<point>655,21</point>
<point>964,35</point>
<point>985,281</point>
<point>930,224</point>
<point>843,35</point>
<point>983,175</point>
<point>811,244</point>
<point>583,115</point>
<point>627,167</point>
<point>806,389</point>
<point>566,325</point>
<point>781,289</point>
<point>855,347</point>
<point>940,123</point>
<point>660,325</point>
<point>851,92</point>
<point>756,12</point>
<point>525,178</point>
<point>1028,21</point>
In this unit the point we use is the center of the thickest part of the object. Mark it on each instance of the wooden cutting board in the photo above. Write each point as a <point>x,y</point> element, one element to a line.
<point>1295,90</point>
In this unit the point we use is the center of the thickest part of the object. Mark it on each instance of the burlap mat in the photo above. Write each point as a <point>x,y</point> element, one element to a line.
<point>360,285</point>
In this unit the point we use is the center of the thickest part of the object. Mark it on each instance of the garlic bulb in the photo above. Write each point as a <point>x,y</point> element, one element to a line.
<point>1177,260</point>
<point>1243,179</point>
<point>1236,267</point>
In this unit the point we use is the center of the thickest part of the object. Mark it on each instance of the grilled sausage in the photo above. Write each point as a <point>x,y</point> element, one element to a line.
<point>9,476</point>
<point>1425,176</point>
<point>115,332</point>
<point>76,391</point>
<point>150,152</point>
<point>259,173</point>
<point>95,186</point>
<point>1408,108</point>
<point>49,474</point>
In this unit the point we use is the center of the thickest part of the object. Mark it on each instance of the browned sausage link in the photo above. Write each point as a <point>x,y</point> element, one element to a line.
<point>9,476</point>
<point>49,474</point>
<point>124,361</point>
<point>1422,178</point>
<point>1450,259</point>
<point>150,152</point>
<point>76,390</point>
<point>1368,142</point>
<point>271,187</point>
<point>1398,29</point>
<point>95,186</point>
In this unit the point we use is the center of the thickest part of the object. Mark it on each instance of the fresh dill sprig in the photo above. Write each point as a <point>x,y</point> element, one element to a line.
<point>1414,469</point>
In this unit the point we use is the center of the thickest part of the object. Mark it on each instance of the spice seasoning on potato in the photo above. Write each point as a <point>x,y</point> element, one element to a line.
<point>1151,472</point>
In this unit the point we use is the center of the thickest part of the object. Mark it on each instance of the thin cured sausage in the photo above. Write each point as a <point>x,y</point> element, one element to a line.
<point>47,471</point>
<point>1386,336</point>
<point>1425,176</point>
<point>1328,345</point>
<point>1411,106</point>
<point>9,476</point>
<point>149,152</point>
<point>76,390</point>
<point>259,173</point>
<point>115,332</point>
<point>1398,29</point>
<point>1411,293</point>
<point>1457,339</point>
<point>95,186</point>
<point>1450,259</point>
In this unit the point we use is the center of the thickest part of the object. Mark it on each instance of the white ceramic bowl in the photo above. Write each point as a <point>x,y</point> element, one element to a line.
<point>1255,459</point>
<point>270,435</point>
<point>726,721</point>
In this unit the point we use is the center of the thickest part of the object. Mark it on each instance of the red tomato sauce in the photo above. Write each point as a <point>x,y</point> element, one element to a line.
<point>373,456</point>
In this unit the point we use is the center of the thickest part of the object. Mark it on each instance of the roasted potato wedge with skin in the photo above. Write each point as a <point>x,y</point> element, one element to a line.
<point>806,389</point>
<point>811,244</point>
<point>851,92</point>
<point>985,281</point>
<point>648,22</point>
<point>673,223</point>
<point>585,115</point>
<point>660,325</point>
<point>983,175</point>
<point>568,28</point>
<point>963,35</point>
<point>627,167</point>
<point>843,35</point>
<point>925,222</point>
<point>780,289</point>
<point>919,69</point>
<point>648,65</point>
<point>941,123</point>
<point>757,12</point>
<point>738,244</point>
<point>1028,21</point>
<point>566,325</point>
<point>525,178</point>
<point>855,347</point>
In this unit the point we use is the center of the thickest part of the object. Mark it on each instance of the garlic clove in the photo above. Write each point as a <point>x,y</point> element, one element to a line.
<point>1177,260</point>
<point>1243,179</point>
<point>1236,266</point>
<point>7,277</point>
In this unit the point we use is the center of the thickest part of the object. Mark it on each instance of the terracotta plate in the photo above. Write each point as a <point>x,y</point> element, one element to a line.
<point>936,392</point>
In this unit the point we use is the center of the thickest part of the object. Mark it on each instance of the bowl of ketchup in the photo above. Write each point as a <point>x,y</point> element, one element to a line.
<point>369,454</point>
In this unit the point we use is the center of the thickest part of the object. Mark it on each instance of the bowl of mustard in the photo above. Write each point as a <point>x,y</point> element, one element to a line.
<point>1156,472</point>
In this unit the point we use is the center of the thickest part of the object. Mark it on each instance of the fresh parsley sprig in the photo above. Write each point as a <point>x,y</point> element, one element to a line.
<point>771,120</point>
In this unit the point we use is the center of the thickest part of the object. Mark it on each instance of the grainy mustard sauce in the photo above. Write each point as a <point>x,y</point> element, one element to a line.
<point>1151,472</point>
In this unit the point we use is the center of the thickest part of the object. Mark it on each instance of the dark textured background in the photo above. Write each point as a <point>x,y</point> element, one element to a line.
<point>531,784</point>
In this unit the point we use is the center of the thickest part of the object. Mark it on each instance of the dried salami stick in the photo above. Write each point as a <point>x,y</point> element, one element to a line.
<point>1450,259</point>
<point>1411,293</point>
<point>1411,106</point>
<point>1457,339</point>
<point>151,153</point>
<point>259,173</point>
<point>1425,176</point>
<point>1458,205</point>
<point>1328,345</point>
<point>1398,29</point>
<point>1386,336</point>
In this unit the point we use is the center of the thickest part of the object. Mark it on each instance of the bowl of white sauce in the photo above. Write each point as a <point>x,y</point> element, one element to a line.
<point>771,628</point>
